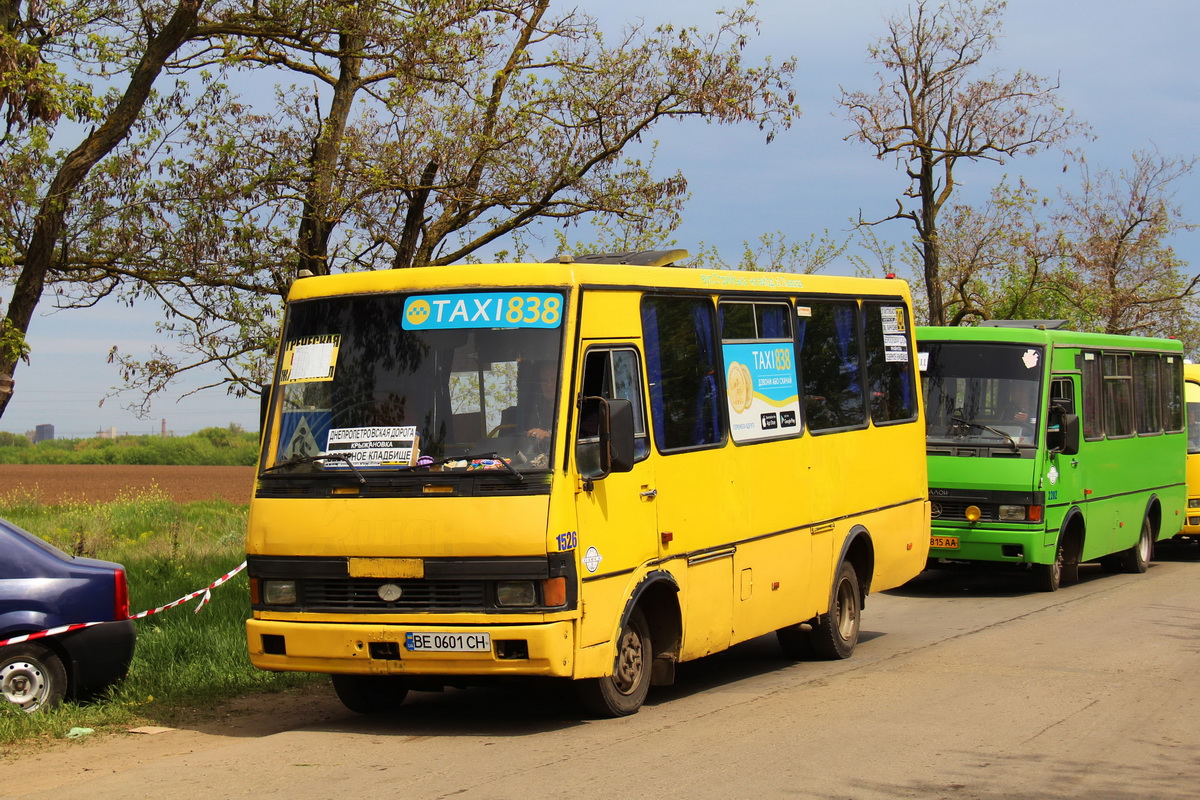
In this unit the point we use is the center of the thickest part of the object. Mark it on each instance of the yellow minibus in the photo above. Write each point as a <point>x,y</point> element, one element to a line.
<point>592,469</point>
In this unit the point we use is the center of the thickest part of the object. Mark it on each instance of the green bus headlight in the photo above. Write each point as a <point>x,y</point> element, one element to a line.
<point>1012,513</point>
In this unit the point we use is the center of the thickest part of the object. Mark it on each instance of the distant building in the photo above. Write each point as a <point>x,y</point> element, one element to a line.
<point>110,433</point>
<point>43,433</point>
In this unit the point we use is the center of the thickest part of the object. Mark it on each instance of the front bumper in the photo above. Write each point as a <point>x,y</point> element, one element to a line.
<point>378,649</point>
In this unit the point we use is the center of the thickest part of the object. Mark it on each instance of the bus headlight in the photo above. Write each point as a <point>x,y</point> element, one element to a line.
<point>279,593</point>
<point>1194,502</point>
<point>1008,513</point>
<point>515,593</point>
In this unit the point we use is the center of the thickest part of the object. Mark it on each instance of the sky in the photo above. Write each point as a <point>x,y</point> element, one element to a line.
<point>1128,70</point>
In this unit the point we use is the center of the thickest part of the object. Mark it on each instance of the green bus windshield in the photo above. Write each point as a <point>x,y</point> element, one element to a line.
<point>982,394</point>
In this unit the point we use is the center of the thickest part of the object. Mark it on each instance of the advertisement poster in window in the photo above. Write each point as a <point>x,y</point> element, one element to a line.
<point>761,390</point>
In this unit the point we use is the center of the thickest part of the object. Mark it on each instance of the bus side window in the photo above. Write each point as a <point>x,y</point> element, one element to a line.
<point>828,340</point>
<point>681,365</point>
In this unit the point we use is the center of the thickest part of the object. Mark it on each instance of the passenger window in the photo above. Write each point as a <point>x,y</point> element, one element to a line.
<point>681,366</point>
<point>1146,393</point>
<point>1172,378</point>
<point>1118,394</point>
<point>890,383</point>
<point>827,334</point>
<point>762,399</point>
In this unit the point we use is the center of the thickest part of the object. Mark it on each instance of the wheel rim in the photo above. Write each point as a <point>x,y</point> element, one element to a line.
<point>629,662</point>
<point>24,683</point>
<point>1057,568</point>
<point>1144,544</point>
<point>845,610</point>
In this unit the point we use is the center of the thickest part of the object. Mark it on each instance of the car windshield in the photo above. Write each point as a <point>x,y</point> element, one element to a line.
<point>981,394</point>
<point>389,382</point>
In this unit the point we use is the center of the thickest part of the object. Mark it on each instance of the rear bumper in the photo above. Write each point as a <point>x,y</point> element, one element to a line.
<point>347,648</point>
<point>98,656</point>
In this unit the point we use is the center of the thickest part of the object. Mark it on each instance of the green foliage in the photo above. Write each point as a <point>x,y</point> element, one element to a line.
<point>209,447</point>
<point>183,660</point>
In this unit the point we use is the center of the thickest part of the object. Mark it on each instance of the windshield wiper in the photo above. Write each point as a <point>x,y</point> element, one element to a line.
<point>291,462</point>
<point>493,456</point>
<point>1011,441</point>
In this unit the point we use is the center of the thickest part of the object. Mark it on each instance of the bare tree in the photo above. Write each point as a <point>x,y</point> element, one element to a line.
<point>934,106</point>
<point>1125,275</point>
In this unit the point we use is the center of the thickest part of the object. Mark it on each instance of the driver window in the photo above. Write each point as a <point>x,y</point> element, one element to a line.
<point>612,374</point>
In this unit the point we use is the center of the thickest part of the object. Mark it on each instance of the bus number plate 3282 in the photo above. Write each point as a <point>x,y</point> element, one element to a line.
<point>436,642</point>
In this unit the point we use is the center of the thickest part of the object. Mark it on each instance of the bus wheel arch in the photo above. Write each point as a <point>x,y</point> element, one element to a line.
<point>657,595</point>
<point>835,633</point>
<point>650,617</point>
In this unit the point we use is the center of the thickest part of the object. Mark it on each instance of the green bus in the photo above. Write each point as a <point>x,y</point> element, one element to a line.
<point>1050,448</point>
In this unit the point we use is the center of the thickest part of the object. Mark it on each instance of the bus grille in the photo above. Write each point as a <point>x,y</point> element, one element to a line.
<point>341,594</point>
<point>952,510</point>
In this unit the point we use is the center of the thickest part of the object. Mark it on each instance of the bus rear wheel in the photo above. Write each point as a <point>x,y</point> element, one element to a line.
<point>1136,559</point>
<point>834,635</point>
<point>370,694</point>
<point>623,692</point>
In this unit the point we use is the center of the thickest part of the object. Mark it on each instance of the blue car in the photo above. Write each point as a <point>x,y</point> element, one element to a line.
<point>41,587</point>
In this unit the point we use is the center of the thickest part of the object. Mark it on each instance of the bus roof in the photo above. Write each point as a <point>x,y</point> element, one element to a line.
<point>1055,338</point>
<point>590,274</point>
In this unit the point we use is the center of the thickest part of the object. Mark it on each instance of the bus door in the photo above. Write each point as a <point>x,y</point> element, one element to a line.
<point>616,513</point>
<point>1064,475</point>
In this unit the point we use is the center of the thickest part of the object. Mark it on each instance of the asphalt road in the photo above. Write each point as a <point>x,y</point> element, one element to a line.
<point>964,686</point>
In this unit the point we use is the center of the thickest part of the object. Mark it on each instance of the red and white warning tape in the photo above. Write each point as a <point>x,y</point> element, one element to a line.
<point>206,591</point>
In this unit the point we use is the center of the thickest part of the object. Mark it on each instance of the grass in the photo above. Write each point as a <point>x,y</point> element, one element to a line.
<point>183,660</point>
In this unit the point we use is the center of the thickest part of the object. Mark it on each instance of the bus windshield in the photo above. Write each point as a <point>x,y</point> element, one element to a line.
<point>390,382</point>
<point>1191,391</point>
<point>981,394</point>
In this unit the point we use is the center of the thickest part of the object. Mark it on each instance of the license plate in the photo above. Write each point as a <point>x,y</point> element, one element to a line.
<point>435,642</point>
<point>945,542</point>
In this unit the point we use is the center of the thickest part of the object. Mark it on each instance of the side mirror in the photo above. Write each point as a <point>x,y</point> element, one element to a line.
<point>606,437</point>
<point>1062,435</point>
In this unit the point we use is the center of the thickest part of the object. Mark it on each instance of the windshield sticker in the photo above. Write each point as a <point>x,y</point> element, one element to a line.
<point>892,318</point>
<point>1030,359</point>
<point>372,447</point>
<point>310,359</point>
<point>923,360</point>
<point>482,310</point>
<point>299,432</point>
<point>761,390</point>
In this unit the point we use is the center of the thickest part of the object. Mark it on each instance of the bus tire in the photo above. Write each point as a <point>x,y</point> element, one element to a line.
<point>835,634</point>
<point>1048,577</point>
<point>623,692</point>
<point>1136,559</point>
<point>370,694</point>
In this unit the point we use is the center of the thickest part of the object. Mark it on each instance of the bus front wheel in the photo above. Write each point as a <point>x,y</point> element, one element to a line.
<point>623,692</point>
<point>1048,577</point>
<point>835,634</point>
<point>370,694</point>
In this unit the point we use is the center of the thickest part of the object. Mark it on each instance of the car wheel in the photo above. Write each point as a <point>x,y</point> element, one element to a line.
<point>1048,577</point>
<point>370,694</point>
<point>32,676</point>
<point>623,692</point>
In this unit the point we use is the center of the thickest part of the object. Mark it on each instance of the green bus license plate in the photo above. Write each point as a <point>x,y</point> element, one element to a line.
<point>435,642</point>
<point>945,542</point>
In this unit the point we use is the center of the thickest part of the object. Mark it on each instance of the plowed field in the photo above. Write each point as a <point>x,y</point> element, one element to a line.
<point>54,484</point>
